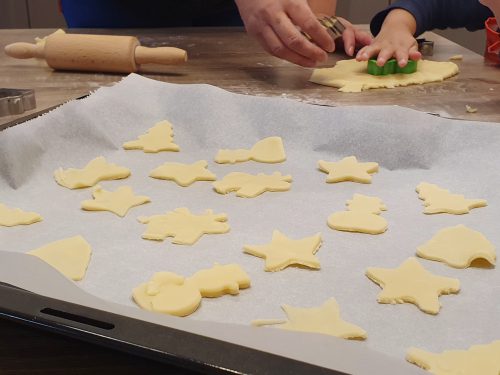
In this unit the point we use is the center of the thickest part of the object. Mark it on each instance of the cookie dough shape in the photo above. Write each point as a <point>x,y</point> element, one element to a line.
<point>458,247</point>
<point>172,294</point>
<point>117,202</point>
<point>324,319</point>
<point>70,256</point>
<point>183,174</point>
<point>362,216</point>
<point>438,200</point>
<point>96,170</point>
<point>348,169</point>
<point>220,280</point>
<point>159,138</point>
<point>478,359</point>
<point>267,150</point>
<point>249,186</point>
<point>10,217</point>
<point>168,293</point>
<point>283,252</point>
<point>352,75</point>
<point>183,226</point>
<point>411,283</point>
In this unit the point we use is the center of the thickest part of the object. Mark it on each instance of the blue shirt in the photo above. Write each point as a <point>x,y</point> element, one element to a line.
<point>149,13</point>
<point>438,14</point>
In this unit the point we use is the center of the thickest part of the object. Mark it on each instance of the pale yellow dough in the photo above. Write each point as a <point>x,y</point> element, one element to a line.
<point>183,174</point>
<point>118,201</point>
<point>411,283</point>
<point>183,226</point>
<point>267,150</point>
<point>362,216</point>
<point>352,75</point>
<point>249,186</point>
<point>159,138</point>
<point>283,252</point>
<point>70,256</point>
<point>477,360</point>
<point>324,319</point>
<point>438,200</point>
<point>458,247</point>
<point>96,170</point>
<point>10,217</point>
<point>348,169</point>
<point>172,294</point>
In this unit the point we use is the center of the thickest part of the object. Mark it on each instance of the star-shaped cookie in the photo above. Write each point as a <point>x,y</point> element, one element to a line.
<point>411,283</point>
<point>10,217</point>
<point>249,185</point>
<point>348,169</point>
<point>324,319</point>
<point>159,138</point>
<point>184,174</point>
<point>96,170</point>
<point>117,202</point>
<point>283,252</point>
<point>438,200</point>
<point>458,247</point>
<point>477,360</point>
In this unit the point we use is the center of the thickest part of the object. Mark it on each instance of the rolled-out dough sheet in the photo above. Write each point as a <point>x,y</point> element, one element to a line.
<point>351,75</point>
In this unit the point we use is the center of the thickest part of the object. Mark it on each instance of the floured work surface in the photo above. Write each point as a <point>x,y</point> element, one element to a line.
<point>410,148</point>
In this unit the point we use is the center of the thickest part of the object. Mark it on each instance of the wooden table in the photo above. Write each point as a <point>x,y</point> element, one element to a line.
<point>228,59</point>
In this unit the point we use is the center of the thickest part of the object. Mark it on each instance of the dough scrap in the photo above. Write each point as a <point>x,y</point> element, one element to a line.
<point>352,75</point>
<point>324,319</point>
<point>458,247</point>
<point>412,283</point>
<point>96,170</point>
<point>10,217</point>
<point>362,216</point>
<point>119,201</point>
<point>159,138</point>
<point>348,169</point>
<point>438,200</point>
<point>70,256</point>
<point>183,174</point>
<point>220,280</point>
<point>183,226</point>
<point>249,186</point>
<point>283,252</point>
<point>470,109</point>
<point>172,294</point>
<point>267,150</point>
<point>478,359</point>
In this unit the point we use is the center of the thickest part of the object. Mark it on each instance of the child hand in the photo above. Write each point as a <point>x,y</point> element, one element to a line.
<point>394,40</point>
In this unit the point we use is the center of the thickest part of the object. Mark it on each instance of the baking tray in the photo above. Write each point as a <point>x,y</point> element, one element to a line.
<point>422,147</point>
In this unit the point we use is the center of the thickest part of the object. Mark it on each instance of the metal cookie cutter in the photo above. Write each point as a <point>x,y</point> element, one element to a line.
<point>425,47</point>
<point>16,101</point>
<point>332,24</point>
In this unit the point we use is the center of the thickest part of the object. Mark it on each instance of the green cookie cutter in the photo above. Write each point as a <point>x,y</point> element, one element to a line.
<point>390,67</point>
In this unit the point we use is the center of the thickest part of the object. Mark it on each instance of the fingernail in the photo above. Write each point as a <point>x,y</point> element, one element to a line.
<point>351,51</point>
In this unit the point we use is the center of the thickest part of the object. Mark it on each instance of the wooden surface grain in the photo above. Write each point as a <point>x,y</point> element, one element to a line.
<point>229,59</point>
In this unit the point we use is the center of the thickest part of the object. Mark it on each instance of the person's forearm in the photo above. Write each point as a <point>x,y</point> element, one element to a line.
<point>400,19</point>
<point>323,7</point>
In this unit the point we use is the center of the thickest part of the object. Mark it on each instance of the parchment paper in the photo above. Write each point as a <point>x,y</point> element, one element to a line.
<point>409,146</point>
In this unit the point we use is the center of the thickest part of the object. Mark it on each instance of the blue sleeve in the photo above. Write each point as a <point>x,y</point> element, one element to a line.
<point>438,14</point>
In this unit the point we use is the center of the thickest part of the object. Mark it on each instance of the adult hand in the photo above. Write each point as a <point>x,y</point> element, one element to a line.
<point>353,37</point>
<point>277,26</point>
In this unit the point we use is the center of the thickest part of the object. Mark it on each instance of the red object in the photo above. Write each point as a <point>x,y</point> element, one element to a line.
<point>492,41</point>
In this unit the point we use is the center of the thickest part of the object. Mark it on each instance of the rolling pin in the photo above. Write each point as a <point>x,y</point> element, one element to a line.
<point>96,53</point>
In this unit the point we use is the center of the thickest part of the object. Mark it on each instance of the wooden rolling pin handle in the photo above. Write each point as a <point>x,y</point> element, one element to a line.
<point>24,50</point>
<point>160,55</point>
